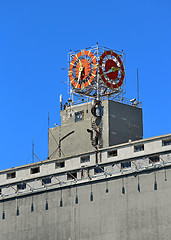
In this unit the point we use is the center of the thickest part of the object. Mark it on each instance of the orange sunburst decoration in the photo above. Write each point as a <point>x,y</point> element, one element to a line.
<point>82,69</point>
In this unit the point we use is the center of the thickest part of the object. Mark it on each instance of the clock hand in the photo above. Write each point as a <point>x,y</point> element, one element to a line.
<point>81,65</point>
<point>109,71</point>
<point>80,70</point>
<point>79,75</point>
<point>113,69</point>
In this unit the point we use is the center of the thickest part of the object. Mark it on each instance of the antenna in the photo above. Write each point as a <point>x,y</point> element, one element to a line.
<point>98,97</point>
<point>48,135</point>
<point>33,150</point>
<point>137,87</point>
<point>60,99</point>
<point>33,154</point>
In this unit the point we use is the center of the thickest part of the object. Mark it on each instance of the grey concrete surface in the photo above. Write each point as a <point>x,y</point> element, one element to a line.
<point>125,123</point>
<point>141,214</point>
<point>126,151</point>
<point>120,123</point>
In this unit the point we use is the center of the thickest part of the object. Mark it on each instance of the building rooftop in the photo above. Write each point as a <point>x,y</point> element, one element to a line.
<point>114,161</point>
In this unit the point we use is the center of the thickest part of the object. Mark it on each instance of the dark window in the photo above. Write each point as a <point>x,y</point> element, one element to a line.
<point>126,164</point>
<point>60,164</point>
<point>166,142</point>
<point>11,175</point>
<point>79,116</point>
<point>139,148</point>
<point>112,153</point>
<point>71,175</point>
<point>21,186</point>
<point>96,157</point>
<point>0,191</point>
<point>85,159</point>
<point>35,170</point>
<point>46,180</point>
<point>154,159</point>
<point>98,170</point>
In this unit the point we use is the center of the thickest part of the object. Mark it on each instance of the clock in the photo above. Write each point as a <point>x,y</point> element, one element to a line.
<point>111,69</point>
<point>82,69</point>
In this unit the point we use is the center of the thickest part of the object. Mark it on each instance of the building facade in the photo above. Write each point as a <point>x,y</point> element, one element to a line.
<point>121,192</point>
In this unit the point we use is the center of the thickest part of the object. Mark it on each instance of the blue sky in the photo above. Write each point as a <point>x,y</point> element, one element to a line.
<point>36,37</point>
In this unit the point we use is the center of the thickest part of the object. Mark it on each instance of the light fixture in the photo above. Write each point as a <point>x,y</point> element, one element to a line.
<point>133,100</point>
<point>46,205</point>
<point>32,207</point>
<point>76,199</point>
<point>3,214</point>
<point>91,196</point>
<point>61,202</point>
<point>18,212</point>
<point>155,185</point>
<point>123,190</point>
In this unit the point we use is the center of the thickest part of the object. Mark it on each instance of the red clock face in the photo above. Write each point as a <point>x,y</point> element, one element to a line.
<point>111,69</point>
<point>82,69</point>
<point>109,65</point>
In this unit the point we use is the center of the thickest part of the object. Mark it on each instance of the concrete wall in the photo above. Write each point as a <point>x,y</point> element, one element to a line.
<point>125,211</point>
<point>152,146</point>
<point>125,122</point>
<point>79,141</point>
<point>120,122</point>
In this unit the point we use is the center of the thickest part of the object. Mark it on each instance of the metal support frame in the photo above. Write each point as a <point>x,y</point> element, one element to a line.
<point>16,191</point>
<point>29,186</point>
<point>133,163</point>
<point>75,179</point>
<point>97,89</point>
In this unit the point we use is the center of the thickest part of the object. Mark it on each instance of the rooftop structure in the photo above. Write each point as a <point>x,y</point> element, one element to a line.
<point>119,123</point>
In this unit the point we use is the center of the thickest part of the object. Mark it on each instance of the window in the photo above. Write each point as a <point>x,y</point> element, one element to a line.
<point>21,186</point>
<point>112,153</point>
<point>139,148</point>
<point>35,170</point>
<point>85,159</point>
<point>71,175</point>
<point>126,164</point>
<point>0,191</point>
<point>166,142</point>
<point>60,164</point>
<point>84,173</point>
<point>79,116</point>
<point>11,175</point>
<point>46,180</point>
<point>154,159</point>
<point>98,170</point>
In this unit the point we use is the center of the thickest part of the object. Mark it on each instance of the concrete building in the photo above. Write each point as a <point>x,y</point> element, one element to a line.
<point>120,190</point>
<point>119,124</point>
